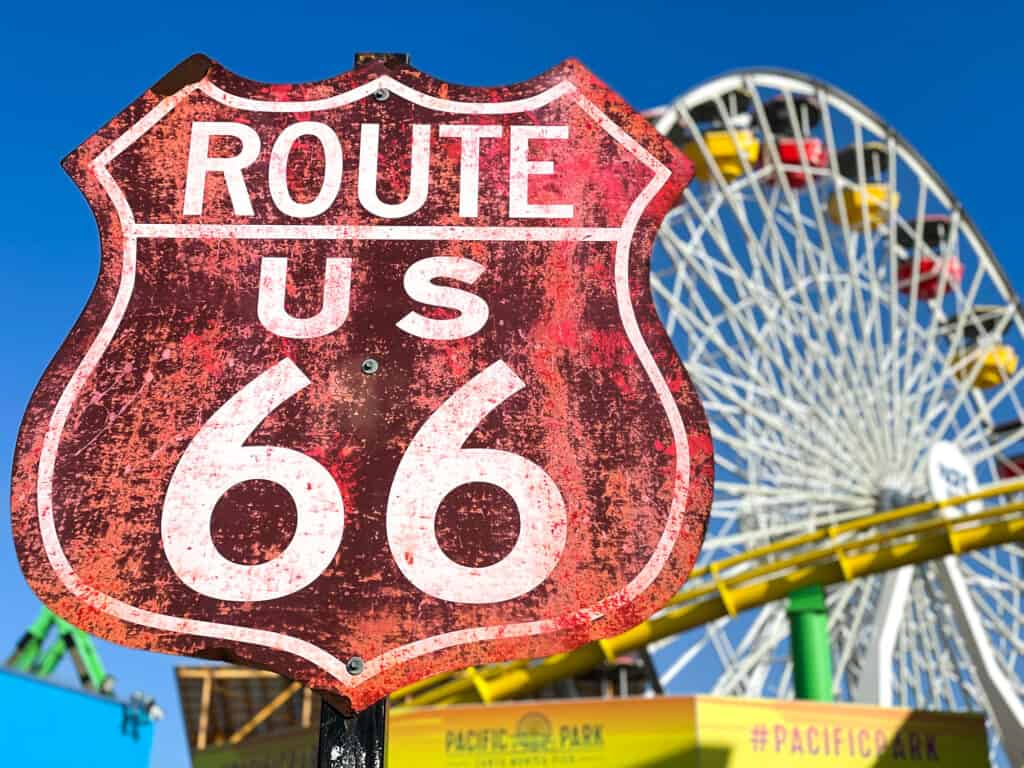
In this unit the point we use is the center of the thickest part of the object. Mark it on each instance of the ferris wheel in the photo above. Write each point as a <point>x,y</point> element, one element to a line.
<point>842,317</point>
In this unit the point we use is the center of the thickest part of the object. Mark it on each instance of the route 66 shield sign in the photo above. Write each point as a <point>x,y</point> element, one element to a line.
<point>371,385</point>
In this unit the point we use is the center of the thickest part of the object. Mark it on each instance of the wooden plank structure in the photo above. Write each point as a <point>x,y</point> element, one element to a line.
<point>227,705</point>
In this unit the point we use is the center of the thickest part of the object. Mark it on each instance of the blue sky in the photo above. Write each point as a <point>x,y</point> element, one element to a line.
<point>947,78</point>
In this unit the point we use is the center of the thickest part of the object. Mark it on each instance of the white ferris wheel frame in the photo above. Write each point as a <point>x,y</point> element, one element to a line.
<point>876,683</point>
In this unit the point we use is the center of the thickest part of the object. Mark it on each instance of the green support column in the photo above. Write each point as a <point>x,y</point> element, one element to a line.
<point>810,644</point>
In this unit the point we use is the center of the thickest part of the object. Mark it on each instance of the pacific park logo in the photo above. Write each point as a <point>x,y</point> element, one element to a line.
<point>533,733</point>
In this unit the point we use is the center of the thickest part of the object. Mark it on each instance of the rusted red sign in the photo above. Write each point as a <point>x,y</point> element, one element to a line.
<point>371,385</point>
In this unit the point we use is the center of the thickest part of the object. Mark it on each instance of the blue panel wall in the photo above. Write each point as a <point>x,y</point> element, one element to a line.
<point>44,725</point>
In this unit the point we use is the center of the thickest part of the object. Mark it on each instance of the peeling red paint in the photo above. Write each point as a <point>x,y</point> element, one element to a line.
<point>603,407</point>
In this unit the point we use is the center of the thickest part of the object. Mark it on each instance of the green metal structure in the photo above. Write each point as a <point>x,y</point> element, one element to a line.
<point>33,656</point>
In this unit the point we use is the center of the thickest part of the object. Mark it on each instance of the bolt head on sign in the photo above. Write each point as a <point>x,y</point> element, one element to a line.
<point>371,370</point>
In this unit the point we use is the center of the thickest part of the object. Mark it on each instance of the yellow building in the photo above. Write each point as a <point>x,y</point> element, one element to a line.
<point>659,732</point>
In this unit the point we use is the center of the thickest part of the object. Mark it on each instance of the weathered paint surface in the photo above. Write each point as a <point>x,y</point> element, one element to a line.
<point>585,388</point>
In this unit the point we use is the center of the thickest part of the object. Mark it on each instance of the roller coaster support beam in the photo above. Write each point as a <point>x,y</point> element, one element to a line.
<point>809,644</point>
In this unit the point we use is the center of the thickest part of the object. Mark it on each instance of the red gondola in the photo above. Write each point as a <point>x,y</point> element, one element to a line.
<point>789,154</point>
<point>792,125</point>
<point>929,276</point>
<point>934,231</point>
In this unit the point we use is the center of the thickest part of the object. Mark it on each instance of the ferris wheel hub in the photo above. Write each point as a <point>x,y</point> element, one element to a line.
<point>897,492</point>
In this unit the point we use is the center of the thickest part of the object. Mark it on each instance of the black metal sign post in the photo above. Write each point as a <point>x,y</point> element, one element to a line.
<point>358,740</point>
<point>355,741</point>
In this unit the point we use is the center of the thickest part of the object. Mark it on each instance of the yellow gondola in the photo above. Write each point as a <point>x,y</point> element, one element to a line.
<point>998,363</point>
<point>725,153</point>
<point>867,199</point>
<point>874,200</point>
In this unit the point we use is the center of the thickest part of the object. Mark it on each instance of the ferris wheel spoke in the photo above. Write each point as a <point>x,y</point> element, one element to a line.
<point>904,367</point>
<point>790,493</point>
<point>995,448</point>
<point>708,379</point>
<point>971,694</point>
<point>793,466</point>
<point>902,676</point>
<point>778,354</point>
<point>722,243</point>
<point>818,224</point>
<point>723,648</point>
<point>667,677</point>
<point>749,324</point>
<point>743,403</point>
<point>840,386</point>
<point>727,486</point>
<point>755,681</point>
<point>708,270</point>
<point>699,216</point>
<point>938,650</point>
<point>738,361</point>
<point>755,652</point>
<point>931,347</point>
<point>784,687</point>
<point>989,560</point>
<point>980,417</point>
<point>704,316</point>
<point>848,240</point>
<point>992,620</point>
<point>677,287</point>
<point>731,468</point>
<point>915,660</point>
<point>847,610</point>
<point>997,610</point>
<point>750,675</point>
<point>772,227</point>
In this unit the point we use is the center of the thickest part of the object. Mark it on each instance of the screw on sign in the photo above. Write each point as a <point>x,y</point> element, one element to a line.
<point>371,382</point>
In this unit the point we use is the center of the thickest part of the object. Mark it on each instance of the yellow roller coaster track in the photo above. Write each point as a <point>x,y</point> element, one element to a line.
<point>843,552</point>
